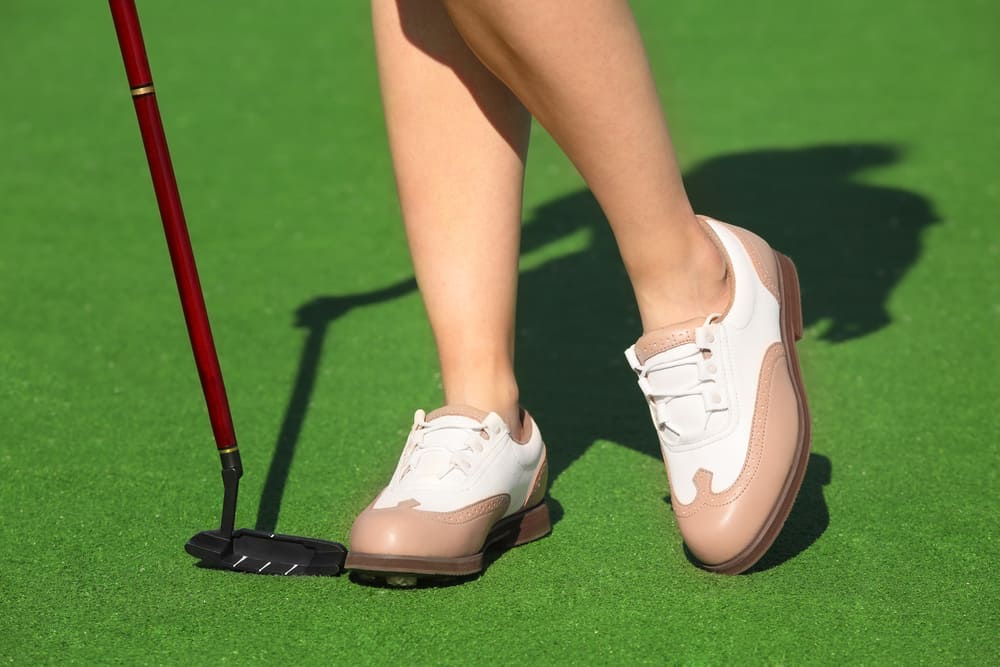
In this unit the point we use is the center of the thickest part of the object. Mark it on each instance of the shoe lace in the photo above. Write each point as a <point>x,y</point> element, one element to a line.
<point>704,382</point>
<point>438,437</point>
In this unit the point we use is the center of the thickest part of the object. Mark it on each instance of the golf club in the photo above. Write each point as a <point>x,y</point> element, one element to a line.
<point>243,550</point>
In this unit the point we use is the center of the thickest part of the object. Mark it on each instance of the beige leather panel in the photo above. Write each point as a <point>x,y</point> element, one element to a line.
<point>540,486</point>
<point>405,531</point>
<point>762,257</point>
<point>467,514</point>
<point>718,526</point>
<point>661,340</point>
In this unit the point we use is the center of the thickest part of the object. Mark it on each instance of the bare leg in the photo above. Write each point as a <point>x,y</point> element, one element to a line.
<point>580,67</point>
<point>458,138</point>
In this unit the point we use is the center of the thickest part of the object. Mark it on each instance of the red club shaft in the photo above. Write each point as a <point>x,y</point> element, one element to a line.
<point>168,198</point>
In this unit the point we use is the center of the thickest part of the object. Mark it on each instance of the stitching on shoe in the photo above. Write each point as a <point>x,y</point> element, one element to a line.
<point>751,244</point>
<point>703,478</point>
<point>471,512</point>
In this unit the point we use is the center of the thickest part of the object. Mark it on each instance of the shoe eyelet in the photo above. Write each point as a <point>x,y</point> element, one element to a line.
<point>716,398</point>
<point>712,368</point>
<point>710,338</point>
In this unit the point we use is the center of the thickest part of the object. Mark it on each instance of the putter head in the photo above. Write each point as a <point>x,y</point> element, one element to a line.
<point>258,552</point>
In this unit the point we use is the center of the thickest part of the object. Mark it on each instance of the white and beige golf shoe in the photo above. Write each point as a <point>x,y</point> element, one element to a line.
<point>462,485</point>
<point>726,396</point>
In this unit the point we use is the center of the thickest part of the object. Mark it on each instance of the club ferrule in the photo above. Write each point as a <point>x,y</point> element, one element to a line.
<point>230,459</point>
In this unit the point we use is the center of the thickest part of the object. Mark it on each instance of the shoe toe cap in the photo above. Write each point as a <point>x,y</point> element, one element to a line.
<point>404,530</point>
<point>734,527</point>
<point>718,536</point>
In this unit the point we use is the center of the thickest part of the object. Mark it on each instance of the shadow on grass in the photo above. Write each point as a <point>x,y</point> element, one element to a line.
<point>315,317</point>
<point>807,520</point>
<point>852,243</point>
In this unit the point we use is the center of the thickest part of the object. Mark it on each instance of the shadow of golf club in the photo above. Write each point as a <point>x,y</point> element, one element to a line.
<point>315,317</point>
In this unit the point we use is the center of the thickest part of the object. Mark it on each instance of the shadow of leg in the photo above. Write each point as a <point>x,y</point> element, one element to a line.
<point>852,242</point>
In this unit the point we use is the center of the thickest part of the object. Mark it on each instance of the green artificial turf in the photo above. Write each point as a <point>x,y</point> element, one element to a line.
<point>860,138</point>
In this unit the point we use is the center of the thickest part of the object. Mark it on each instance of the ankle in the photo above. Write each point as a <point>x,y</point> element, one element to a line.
<point>695,285</point>
<point>501,398</point>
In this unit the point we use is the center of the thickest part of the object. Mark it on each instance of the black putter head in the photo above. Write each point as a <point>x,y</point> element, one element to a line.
<point>256,551</point>
<point>259,552</point>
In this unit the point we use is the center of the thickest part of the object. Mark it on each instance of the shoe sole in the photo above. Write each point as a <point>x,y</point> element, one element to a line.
<point>791,331</point>
<point>515,530</point>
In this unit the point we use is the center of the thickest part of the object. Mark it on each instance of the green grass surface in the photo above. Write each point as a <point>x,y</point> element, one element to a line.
<point>861,138</point>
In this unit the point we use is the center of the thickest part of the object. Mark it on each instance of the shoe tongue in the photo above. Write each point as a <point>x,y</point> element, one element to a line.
<point>457,411</point>
<point>667,338</point>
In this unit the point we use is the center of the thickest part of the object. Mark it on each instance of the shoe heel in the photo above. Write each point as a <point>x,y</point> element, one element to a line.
<point>792,295</point>
<point>534,524</point>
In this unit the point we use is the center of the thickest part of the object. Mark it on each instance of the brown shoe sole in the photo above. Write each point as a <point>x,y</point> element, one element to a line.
<point>513,531</point>
<point>791,331</point>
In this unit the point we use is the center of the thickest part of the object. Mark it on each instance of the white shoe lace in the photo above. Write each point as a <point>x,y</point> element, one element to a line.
<point>461,452</point>
<point>704,382</point>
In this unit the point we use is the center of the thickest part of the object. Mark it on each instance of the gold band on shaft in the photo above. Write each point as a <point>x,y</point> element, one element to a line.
<point>229,450</point>
<point>143,90</point>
